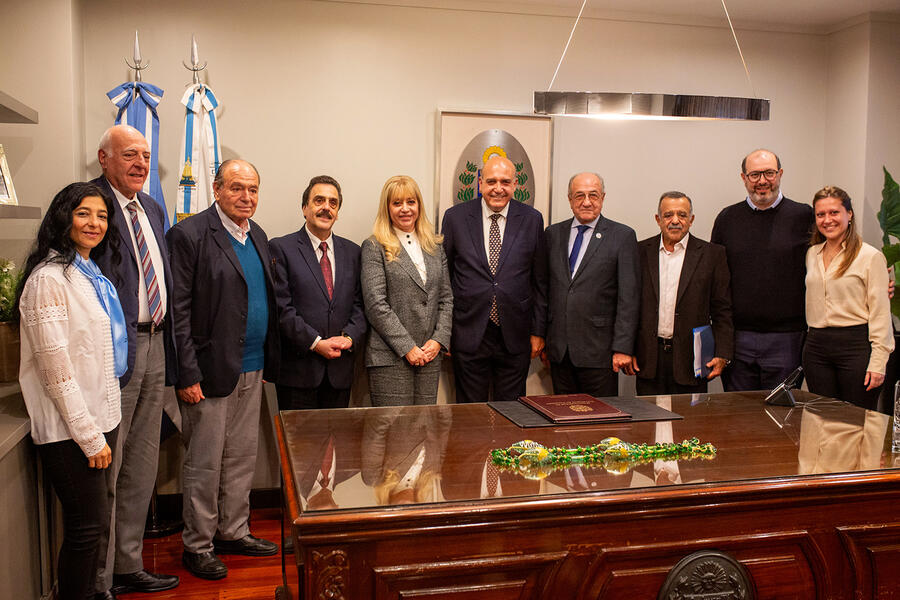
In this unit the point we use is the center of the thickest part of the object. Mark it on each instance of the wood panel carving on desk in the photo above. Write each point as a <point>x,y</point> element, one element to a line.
<point>768,500</point>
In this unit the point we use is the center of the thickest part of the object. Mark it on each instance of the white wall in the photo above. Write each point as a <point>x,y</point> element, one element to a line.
<point>362,84</point>
<point>40,60</point>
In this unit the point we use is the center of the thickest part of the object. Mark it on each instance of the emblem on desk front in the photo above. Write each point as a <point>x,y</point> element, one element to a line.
<point>332,574</point>
<point>707,575</point>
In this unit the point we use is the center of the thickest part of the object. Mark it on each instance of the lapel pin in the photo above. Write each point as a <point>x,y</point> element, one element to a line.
<point>598,235</point>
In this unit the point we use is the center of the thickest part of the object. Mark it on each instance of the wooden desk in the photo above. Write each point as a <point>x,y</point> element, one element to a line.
<point>804,498</point>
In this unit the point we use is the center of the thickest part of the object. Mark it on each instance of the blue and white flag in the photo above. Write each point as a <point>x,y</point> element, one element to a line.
<point>140,112</point>
<point>200,154</point>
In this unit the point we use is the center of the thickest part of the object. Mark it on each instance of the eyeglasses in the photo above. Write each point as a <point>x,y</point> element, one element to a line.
<point>768,174</point>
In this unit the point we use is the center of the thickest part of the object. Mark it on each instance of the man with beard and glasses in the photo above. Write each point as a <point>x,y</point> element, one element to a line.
<point>766,236</point>
<point>685,284</point>
<point>320,304</point>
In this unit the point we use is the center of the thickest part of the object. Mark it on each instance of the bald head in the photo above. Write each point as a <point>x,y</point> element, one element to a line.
<point>124,156</point>
<point>498,182</point>
<point>761,174</point>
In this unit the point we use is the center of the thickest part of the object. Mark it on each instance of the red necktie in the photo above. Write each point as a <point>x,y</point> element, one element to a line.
<point>326,269</point>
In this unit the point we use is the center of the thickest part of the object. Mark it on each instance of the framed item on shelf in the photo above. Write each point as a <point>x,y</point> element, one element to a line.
<point>7,191</point>
<point>465,140</point>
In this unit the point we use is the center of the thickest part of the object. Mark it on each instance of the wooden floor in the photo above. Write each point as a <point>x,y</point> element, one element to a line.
<point>249,578</point>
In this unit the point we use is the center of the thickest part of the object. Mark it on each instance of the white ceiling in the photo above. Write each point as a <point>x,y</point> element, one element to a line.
<point>816,16</point>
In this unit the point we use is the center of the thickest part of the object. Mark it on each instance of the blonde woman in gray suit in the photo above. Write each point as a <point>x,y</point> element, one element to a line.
<point>409,304</point>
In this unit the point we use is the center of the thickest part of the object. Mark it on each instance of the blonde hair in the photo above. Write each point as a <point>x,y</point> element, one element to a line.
<point>423,489</point>
<point>402,186</point>
<point>851,237</point>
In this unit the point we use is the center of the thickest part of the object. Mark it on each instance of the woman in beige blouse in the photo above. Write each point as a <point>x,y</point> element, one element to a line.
<point>847,309</point>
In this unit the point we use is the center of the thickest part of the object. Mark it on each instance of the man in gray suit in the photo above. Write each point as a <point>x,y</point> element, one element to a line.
<point>593,294</point>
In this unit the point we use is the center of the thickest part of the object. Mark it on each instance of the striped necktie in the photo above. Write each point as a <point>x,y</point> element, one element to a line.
<point>153,300</point>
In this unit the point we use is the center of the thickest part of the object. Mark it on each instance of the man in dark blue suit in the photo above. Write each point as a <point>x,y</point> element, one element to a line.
<point>494,253</point>
<point>143,281</point>
<point>226,334</point>
<point>319,303</point>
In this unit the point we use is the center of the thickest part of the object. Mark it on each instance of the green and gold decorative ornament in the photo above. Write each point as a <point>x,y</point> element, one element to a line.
<point>535,461</point>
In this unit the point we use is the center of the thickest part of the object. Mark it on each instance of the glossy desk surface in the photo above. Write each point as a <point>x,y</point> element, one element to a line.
<point>442,452</point>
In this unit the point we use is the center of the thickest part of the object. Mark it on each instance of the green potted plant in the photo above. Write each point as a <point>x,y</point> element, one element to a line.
<point>9,327</point>
<point>889,219</point>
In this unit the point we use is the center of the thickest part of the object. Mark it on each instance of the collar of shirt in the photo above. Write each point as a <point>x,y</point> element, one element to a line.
<point>316,242</point>
<point>487,211</point>
<point>683,242</point>
<point>591,226</point>
<point>236,231</point>
<point>822,245</point>
<point>124,202</point>
<point>774,204</point>
<point>406,237</point>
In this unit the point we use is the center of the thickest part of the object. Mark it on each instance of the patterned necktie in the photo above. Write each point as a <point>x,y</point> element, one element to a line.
<point>326,269</point>
<point>493,259</point>
<point>576,247</point>
<point>154,302</point>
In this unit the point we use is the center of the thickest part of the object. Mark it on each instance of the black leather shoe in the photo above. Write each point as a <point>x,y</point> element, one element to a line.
<point>249,545</point>
<point>205,565</point>
<point>143,581</point>
<point>107,595</point>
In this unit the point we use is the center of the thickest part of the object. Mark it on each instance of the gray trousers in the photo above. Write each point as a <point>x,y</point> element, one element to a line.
<point>134,461</point>
<point>404,384</point>
<point>220,437</point>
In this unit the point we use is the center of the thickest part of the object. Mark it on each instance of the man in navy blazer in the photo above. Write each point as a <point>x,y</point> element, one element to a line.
<point>494,251</point>
<point>593,294</point>
<point>226,336</point>
<point>320,304</point>
<point>124,156</point>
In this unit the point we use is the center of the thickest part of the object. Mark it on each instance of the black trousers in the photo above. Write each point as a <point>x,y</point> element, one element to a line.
<point>835,361</point>
<point>569,379</point>
<point>664,382</point>
<point>82,492</point>
<point>323,396</point>
<point>491,372</point>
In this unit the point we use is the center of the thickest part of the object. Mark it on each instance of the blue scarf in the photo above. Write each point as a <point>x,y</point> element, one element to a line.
<point>109,300</point>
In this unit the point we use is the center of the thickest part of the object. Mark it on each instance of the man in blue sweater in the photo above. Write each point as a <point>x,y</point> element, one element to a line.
<point>226,336</point>
<point>765,237</point>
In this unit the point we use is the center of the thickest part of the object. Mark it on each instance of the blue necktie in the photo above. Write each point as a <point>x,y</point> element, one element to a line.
<point>576,247</point>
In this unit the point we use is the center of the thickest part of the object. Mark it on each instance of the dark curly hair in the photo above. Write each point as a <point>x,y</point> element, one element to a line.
<point>55,229</point>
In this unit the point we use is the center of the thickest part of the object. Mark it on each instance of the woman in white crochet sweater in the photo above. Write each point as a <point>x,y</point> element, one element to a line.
<point>72,352</point>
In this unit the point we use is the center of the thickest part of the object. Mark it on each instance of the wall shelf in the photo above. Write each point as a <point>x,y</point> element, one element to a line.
<point>13,111</point>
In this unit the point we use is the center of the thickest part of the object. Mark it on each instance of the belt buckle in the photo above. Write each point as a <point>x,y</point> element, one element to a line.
<point>667,344</point>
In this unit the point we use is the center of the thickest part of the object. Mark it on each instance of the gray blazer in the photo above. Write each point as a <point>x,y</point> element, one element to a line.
<point>595,313</point>
<point>404,312</point>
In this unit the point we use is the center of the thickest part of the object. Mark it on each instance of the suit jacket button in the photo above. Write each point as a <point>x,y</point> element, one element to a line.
<point>241,340</point>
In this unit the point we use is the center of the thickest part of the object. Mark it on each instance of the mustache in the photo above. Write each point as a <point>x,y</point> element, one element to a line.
<point>324,213</point>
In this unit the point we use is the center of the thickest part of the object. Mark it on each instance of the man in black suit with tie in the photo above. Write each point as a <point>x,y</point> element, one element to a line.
<point>226,333</point>
<point>493,247</point>
<point>319,303</point>
<point>142,280</point>
<point>686,284</point>
<point>593,294</point>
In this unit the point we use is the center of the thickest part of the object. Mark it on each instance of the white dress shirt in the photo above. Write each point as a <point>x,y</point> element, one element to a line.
<point>573,233</point>
<point>152,248</point>
<point>317,247</point>
<point>486,213</point>
<point>67,375</point>
<point>670,264</point>
<point>238,232</point>
<point>410,243</point>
